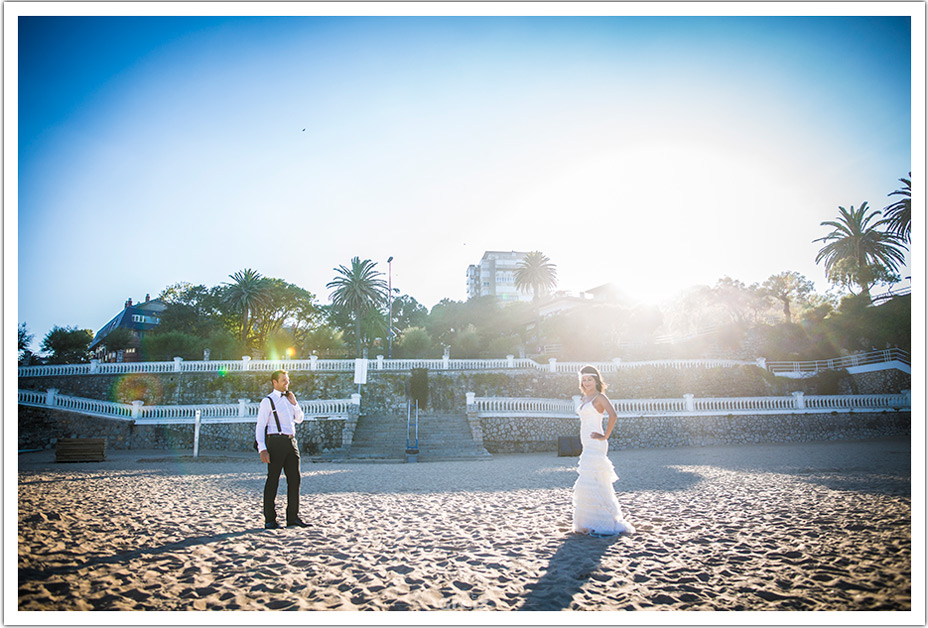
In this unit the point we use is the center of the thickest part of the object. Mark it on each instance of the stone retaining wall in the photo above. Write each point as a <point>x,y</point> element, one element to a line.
<point>40,428</point>
<point>518,435</point>
<point>386,393</point>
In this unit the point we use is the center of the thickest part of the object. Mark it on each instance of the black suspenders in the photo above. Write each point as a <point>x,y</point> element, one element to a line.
<point>276,418</point>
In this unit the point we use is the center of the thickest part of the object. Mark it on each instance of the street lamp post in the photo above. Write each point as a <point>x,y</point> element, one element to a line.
<point>390,308</point>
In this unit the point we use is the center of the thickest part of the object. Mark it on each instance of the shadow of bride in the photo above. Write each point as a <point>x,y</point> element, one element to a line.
<point>572,566</point>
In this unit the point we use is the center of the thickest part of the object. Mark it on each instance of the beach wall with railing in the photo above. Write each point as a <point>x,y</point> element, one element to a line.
<point>499,424</point>
<point>386,386</point>
<point>859,362</point>
<point>531,425</point>
<point>44,418</point>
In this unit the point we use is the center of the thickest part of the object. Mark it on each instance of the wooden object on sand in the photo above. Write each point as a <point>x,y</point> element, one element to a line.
<point>80,450</point>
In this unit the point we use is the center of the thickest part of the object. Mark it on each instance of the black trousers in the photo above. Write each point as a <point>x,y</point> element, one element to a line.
<point>284,455</point>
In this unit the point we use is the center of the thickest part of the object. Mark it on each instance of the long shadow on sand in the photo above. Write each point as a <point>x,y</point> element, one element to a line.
<point>572,566</point>
<point>26,481</point>
<point>27,574</point>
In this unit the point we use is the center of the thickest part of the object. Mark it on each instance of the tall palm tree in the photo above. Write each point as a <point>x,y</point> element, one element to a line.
<point>358,289</point>
<point>858,252</point>
<point>536,273</point>
<point>245,293</point>
<point>899,213</point>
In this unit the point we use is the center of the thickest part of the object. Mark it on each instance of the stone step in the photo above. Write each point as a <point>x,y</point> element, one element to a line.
<point>440,437</point>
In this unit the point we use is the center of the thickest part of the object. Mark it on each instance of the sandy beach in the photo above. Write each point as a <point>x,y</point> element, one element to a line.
<point>821,526</point>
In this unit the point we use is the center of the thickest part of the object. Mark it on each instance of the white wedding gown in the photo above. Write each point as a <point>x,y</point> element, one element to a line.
<point>596,509</point>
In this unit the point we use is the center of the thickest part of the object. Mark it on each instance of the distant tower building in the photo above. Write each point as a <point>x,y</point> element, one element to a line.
<point>496,275</point>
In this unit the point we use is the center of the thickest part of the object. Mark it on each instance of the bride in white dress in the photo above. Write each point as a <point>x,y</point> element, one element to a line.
<point>596,509</point>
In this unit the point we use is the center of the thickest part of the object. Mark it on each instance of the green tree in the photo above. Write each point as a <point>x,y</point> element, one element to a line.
<point>167,345</point>
<point>357,290</point>
<point>537,274</point>
<point>194,309</point>
<point>284,304</point>
<point>244,294</point>
<point>67,345</point>
<point>488,318</point>
<point>407,312</point>
<point>223,345</point>
<point>736,298</point>
<point>324,341</point>
<point>858,252</point>
<point>787,288</point>
<point>466,343</point>
<point>415,342</point>
<point>119,339</point>
<point>24,339</point>
<point>899,214</point>
<point>280,345</point>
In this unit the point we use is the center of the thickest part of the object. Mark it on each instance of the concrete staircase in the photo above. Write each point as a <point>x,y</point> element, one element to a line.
<point>382,438</point>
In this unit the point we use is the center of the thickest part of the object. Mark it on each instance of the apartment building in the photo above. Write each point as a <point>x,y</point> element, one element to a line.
<point>496,275</point>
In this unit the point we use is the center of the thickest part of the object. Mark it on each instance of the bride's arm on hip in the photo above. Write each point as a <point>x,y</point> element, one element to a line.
<point>602,404</point>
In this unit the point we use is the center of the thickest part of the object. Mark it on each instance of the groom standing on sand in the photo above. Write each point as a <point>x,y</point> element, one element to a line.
<point>275,433</point>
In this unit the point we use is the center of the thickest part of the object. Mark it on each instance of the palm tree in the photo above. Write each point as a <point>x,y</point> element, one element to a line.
<point>358,289</point>
<point>245,293</point>
<point>858,252</point>
<point>536,273</point>
<point>899,213</point>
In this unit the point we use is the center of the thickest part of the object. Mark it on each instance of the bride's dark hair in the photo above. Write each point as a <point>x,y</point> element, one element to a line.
<point>591,370</point>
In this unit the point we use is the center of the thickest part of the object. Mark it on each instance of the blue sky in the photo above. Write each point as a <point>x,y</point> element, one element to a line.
<point>653,152</point>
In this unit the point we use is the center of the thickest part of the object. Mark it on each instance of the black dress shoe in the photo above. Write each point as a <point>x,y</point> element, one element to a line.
<point>272,525</point>
<point>297,524</point>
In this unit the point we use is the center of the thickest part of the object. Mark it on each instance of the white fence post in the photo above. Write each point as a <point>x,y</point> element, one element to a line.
<point>242,410</point>
<point>552,365</point>
<point>94,366</point>
<point>511,360</point>
<point>799,400</point>
<point>196,434</point>
<point>50,396</point>
<point>379,362</point>
<point>245,360</point>
<point>178,364</point>
<point>470,398</point>
<point>137,409</point>
<point>312,362</point>
<point>762,363</point>
<point>688,402</point>
<point>446,361</point>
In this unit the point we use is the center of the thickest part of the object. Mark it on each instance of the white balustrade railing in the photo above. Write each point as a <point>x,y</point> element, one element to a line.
<point>244,411</point>
<point>692,406</point>
<point>889,357</point>
<point>880,356</point>
<point>32,398</point>
<point>628,407</point>
<point>378,364</point>
<point>509,406</point>
<point>93,407</point>
<point>615,366</point>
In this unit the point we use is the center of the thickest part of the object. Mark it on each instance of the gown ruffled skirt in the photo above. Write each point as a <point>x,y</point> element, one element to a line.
<point>596,508</point>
